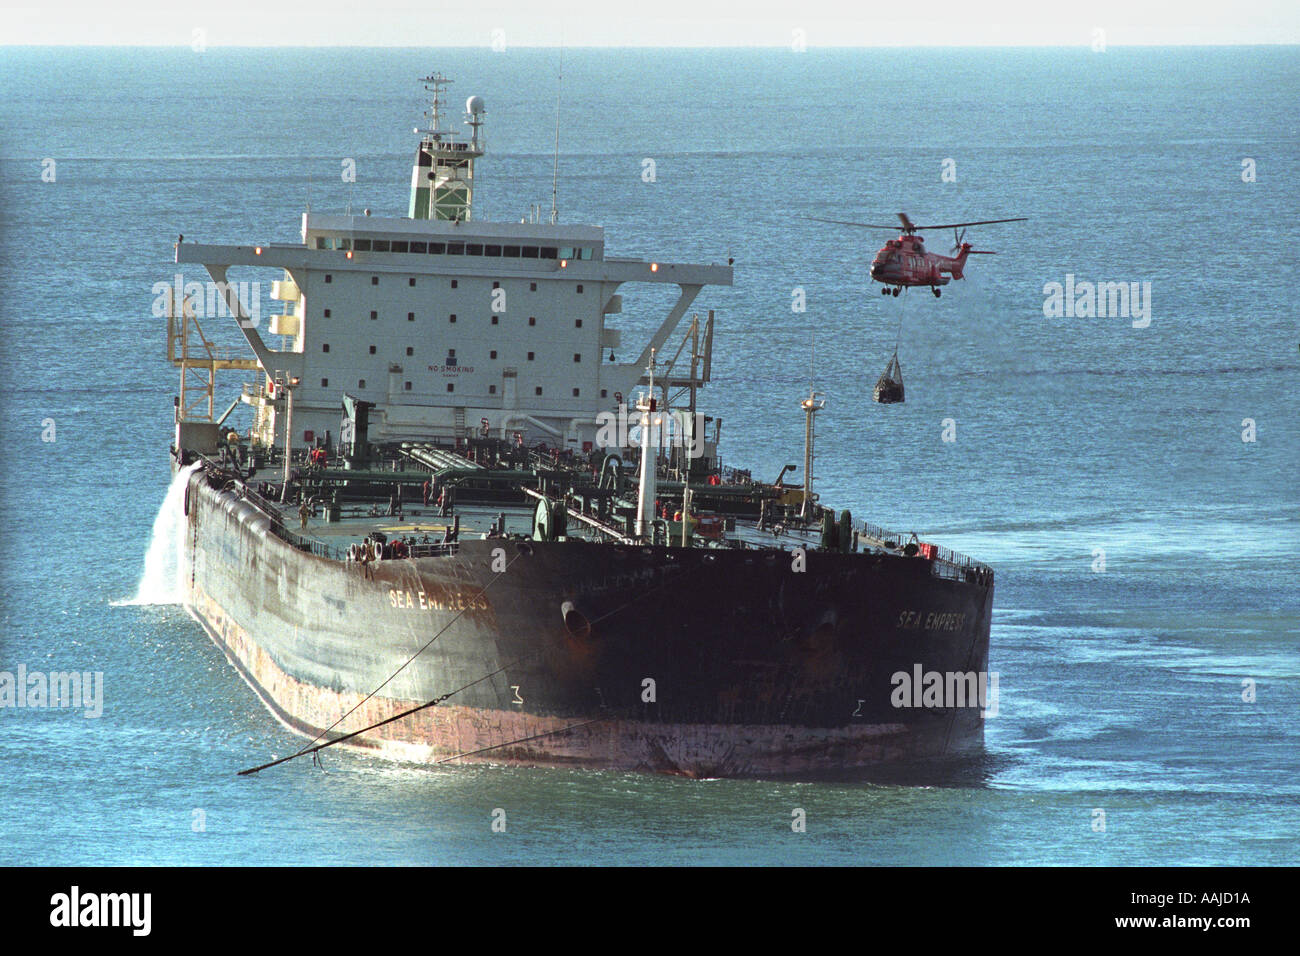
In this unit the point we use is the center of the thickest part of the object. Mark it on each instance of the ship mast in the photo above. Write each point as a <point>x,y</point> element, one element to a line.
<point>646,489</point>
<point>442,179</point>
<point>813,404</point>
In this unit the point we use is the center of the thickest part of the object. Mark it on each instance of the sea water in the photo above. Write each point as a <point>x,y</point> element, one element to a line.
<point>1133,485</point>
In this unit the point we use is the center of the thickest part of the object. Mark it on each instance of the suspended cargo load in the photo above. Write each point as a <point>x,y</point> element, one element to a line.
<point>889,387</point>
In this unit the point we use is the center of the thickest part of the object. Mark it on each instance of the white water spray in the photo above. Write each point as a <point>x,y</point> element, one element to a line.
<point>165,563</point>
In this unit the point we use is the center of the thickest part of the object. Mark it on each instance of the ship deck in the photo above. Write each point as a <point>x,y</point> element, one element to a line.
<point>499,498</point>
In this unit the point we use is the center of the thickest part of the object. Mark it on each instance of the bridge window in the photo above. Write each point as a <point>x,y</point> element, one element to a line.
<point>407,386</point>
<point>420,247</point>
<point>473,249</point>
<point>455,248</point>
<point>577,323</point>
<point>411,282</point>
<point>532,320</point>
<point>326,313</point>
<point>324,383</point>
<point>453,317</point>
<point>325,347</point>
<point>511,252</point>
<point>361,245</point>
<point>530,356</point>
<point>537,390</point>
<point>374,314</point>
<point>492,389</point>
<point>374,280</point>
<point>529,252</point>
<point>549,252</point>
<point>496,320</point>
<point>328,277</point>
<point>454,283</point>
<point>579,288</point>
<point>492,354</point>
<point>491,250</point>
<point>361,383</point>
<point>437,248</point>
<point>576,392</point>
<point>410,350</point>
<point>532,287</point>
<point>410,317</point>
<point>372,350</point>
<point>381,245</point>
<point>400,246</point>
<point>577,357</point>
<point>451,386</point>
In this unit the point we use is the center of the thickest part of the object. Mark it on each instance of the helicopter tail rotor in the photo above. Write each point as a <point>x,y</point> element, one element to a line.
<point>960,245</point>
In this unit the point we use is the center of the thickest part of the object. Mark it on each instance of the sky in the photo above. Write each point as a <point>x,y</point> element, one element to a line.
<point>676,23</point>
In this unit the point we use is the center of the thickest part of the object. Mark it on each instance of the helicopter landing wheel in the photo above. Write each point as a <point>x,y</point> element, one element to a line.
<point>936,292</point>
<point>884,290</point>
<point>897,290</point>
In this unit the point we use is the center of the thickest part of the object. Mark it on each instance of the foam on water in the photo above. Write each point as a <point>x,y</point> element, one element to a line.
<point>164,562</point>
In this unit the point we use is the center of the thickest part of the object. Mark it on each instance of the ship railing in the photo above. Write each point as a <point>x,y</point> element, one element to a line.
<point>439,550</point>
<point>946,563</point>
<point>296,539</point>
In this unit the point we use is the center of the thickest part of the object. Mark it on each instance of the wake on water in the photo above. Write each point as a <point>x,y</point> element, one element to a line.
<point>164,562</point>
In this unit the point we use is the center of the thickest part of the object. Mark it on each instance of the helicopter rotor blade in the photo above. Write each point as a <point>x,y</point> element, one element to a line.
<point>861,225</point>
<point>981,222</point>
<point>907,223</point>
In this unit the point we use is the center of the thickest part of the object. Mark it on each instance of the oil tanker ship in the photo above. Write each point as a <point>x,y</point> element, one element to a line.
<point>459,530</point>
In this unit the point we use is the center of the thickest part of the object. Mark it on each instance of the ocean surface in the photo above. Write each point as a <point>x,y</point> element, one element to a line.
<point>1147,616</point>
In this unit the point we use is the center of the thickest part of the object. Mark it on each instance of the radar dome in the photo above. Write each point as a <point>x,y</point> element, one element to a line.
<point>474,105</point>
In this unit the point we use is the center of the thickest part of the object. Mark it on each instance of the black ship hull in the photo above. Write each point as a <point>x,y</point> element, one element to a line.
<point>693,661</point>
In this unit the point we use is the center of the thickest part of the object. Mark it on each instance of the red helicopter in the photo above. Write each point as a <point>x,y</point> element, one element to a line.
<point>904,261</point>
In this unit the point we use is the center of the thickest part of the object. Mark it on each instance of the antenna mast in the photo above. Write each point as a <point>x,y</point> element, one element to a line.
<point>814,403</point>
<point>555,171</point>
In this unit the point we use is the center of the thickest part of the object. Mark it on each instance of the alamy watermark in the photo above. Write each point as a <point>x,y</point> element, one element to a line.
<point>209,299</point>
<point>945,689</point>
<point>1086,300</point>
<point>667,430</point>
<point>75,908</point>
<point>63,689</point>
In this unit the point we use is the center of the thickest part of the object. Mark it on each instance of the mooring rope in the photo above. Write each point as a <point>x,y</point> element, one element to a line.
<point>548,733</point>
<point>314,747</point>
<point>310,748</point>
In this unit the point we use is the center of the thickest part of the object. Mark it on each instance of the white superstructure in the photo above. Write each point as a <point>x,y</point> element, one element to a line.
<point>444,321</point>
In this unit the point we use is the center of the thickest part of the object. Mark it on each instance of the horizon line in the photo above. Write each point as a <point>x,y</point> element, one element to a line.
<point>648,46</point>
